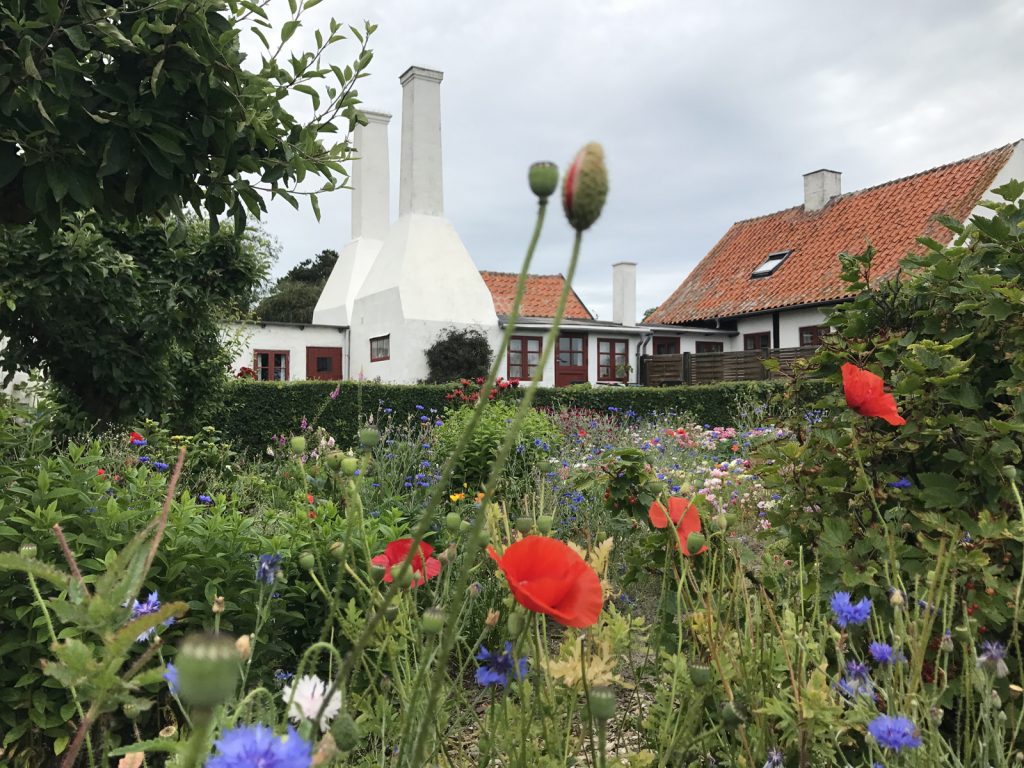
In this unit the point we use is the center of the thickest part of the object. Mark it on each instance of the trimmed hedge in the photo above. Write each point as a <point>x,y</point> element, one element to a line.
<point>253,411</point>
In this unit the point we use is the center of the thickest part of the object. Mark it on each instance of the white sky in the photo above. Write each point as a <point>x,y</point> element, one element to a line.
<point>709,113</point>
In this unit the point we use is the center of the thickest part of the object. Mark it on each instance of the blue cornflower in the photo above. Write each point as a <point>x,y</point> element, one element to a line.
<point>139,442</point>
<point>424,419</point>
<point>160,466</point>
<point>283,676</point>
<point>419,407</point>
<point>267,569</point>
<point>857,670</point>
<point>251,745</point>
<point>894,732</point>
<point>903,482</point>
<point>992,657</point>
<point>885,654</point>
<point>852,687</point>
<point>496,670</point>
<point>775,758</point>
<point>150,605</point>
<point>171,676</point>
<point>847,612</point>
<point>203,498</point>
<point>143,459</point>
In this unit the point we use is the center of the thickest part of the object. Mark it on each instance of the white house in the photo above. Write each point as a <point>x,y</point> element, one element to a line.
<point>769,281</point>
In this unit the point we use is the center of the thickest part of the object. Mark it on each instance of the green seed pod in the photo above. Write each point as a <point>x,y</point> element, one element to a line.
<point>391,613</point>
<point>585,187</point>
<point>334,460</point>
<point>207,667</point>
<point>731,715</point>
<point>377,572</point>
<point>349,465</point>
<point>306,561</point>
<point>453,522</point>
<point>297,444</point>
<point>695,542</point>
<point>27,549</point>
<point>464,526</point>
<point>524,525</point>
<point>543,179</point>
<point>433,620</point>
<point>700,674</point>
<point>602,703</point>
<point>545,523</point>
<point>402,573</point>
<point>131,710</point>
<point>346,732</point>
<point>337,550</point>
<point>369,438</point>
<point>484,537</point>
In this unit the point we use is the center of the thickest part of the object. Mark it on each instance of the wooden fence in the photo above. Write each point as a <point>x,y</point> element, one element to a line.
<point>709,367</point>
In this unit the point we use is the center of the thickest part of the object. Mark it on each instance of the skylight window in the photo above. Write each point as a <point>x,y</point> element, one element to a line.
<point>772,263</point>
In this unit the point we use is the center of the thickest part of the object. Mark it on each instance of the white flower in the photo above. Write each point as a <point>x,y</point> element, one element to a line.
<point>309,692</point>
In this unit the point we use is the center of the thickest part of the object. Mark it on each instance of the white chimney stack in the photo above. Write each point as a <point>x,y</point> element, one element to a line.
<point>421,190</point>
<point>624,293</point>
<point>371,204</point>
<point>820,187</point>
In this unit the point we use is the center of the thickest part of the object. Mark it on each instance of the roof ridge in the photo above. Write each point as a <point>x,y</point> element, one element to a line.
<point>862,190</point>
<point>516,274</point>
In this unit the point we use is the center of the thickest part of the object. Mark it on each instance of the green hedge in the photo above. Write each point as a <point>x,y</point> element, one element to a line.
<point>254,411</point>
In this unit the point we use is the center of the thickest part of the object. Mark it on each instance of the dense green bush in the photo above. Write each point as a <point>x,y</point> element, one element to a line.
<point>947,337</point>
<point>458,353</point>
<point>254,411</point>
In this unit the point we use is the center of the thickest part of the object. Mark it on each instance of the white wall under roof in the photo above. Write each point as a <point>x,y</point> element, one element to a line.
<point>291,338</point>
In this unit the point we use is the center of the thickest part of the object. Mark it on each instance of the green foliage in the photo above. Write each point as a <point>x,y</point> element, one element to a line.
<point>947,336</point>
<point>140,109</point>
<point>537,437</point>
<point>293,298</point>
<point>253,411</point>
<point>458,353</point>
<point>122,321</point>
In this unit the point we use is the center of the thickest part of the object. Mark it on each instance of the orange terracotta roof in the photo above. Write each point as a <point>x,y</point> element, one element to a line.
<point>541,299</point>
<point>890,217</point>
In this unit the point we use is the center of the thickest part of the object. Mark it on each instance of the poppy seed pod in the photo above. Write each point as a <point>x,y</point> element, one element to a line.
<point>585,187</point>
<point>207,670</point>
<point>28,549</point>
<point>543,179</point>
<point>346,732</point>
<point>602,703</point>
<point>433,620</point>
<point>369,437</point>
<point>297,444</point>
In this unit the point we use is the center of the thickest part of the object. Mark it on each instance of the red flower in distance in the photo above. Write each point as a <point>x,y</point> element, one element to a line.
<point>685,518</point>
<point>865,393</point>
<point>423,565</point>
<point>101,471</point>
<point>547,576</point>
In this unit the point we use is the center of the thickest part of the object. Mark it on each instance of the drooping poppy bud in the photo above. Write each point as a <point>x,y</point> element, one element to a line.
<point>543,179</point>
<point>585,187</point>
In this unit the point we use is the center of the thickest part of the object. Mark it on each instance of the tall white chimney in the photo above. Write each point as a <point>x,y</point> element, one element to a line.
<point>624,293</point>
<point>421,189</point>
<point>371,206</point>
<point>820,187</point>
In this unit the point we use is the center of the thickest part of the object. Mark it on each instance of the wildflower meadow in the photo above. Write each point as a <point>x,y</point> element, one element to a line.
<point>827,581</point>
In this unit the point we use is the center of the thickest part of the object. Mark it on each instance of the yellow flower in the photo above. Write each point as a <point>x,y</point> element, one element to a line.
<point>456,496</point>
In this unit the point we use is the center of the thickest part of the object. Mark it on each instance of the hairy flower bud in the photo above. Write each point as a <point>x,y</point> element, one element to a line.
<point>453,522</point>
<point>27,549</point>
<point>433,620</point>
<point>207,670</point>
<point>297,444</point>
<point>218,604</point>
<point>493,617</point>
<point>244,647</point>
<point>307,561</point>
<point>346,733</point>
<point>545,523</point>
<point>585,187</point>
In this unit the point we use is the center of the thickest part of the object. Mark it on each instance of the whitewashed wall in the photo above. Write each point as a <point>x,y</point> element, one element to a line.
<point>290,338</point>
<point>753,324</point>
<point>790,323</point>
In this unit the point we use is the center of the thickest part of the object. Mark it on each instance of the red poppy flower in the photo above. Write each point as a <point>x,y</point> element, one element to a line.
<point>865,393</point>
<point>101,471</point>
<point>685,517</point>
<point>309,498</point>
<point>547,576</point>
<point>135,436</point>
<point>423,565</point>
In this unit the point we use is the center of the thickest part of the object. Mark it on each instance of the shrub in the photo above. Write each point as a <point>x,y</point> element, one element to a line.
<point>458,353</point>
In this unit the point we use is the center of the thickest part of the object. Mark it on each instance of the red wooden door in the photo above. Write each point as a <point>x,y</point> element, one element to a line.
<point>323,363</point>
<point>571,359</point>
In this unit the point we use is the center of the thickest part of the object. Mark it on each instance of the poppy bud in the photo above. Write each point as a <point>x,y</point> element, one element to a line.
<point>433,620</point>
<point>516,624</point>
<point>453,522</point>
<point>524,525</point>
<point>297,444</point>
<point>349,465</point>
<point>346,733</point>
<point>334,460</point>
<point>207,670</point>
<point>492,618</point>
<point>545,523</point>
<point>731,714</point>
<point>306,561</point>
<point>695,543</point>
<point>131,710</point>
<point>543,179</point>
<point>464,526</point>
<point>391,613</point>
<point>402,573</point>
<point>700,674</point>
<point>244,647</point>
<point>376,571</point>
<point>602,703</point>
<point>369,437</point>
<point>483,538</point>
<point>218,604</point>
<point>27,549</point>
<point>585,187</point>
<point>337,550</point>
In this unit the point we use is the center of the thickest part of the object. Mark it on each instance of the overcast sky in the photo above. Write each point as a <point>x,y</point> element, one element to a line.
<point>709,113</point>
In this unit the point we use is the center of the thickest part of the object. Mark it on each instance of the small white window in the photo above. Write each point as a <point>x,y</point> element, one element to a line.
<point>770,264</point>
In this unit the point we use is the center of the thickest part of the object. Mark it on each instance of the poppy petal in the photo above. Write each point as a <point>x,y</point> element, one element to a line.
<point>656,512</point>
<point>581,607</point>
<point>865,393</point>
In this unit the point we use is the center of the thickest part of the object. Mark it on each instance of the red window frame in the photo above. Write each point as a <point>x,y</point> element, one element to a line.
<point>375,355</point>
<point>270,367</point>
<point>752,342</point>
<point>666,345</point>
<point>518,356</point>
<point>610,360</point>
<point>816,333</point>
<point>704,347</point>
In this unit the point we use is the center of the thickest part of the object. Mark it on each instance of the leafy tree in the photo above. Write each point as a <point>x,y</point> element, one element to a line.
<point>122,322</point>
<point>141,108</point>
<point>458,353</point>
<point>293,298</point>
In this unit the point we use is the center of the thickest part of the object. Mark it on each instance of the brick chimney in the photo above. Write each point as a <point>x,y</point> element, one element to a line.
<point>624,293</point>
<point>820,187</point>
<point>421,190</point>
<point>371,185</point>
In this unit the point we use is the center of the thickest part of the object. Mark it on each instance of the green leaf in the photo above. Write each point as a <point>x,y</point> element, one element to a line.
<point>30,68</point>
<point>288,30</point>
<point>938,489</point>
<point>315,202</point>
